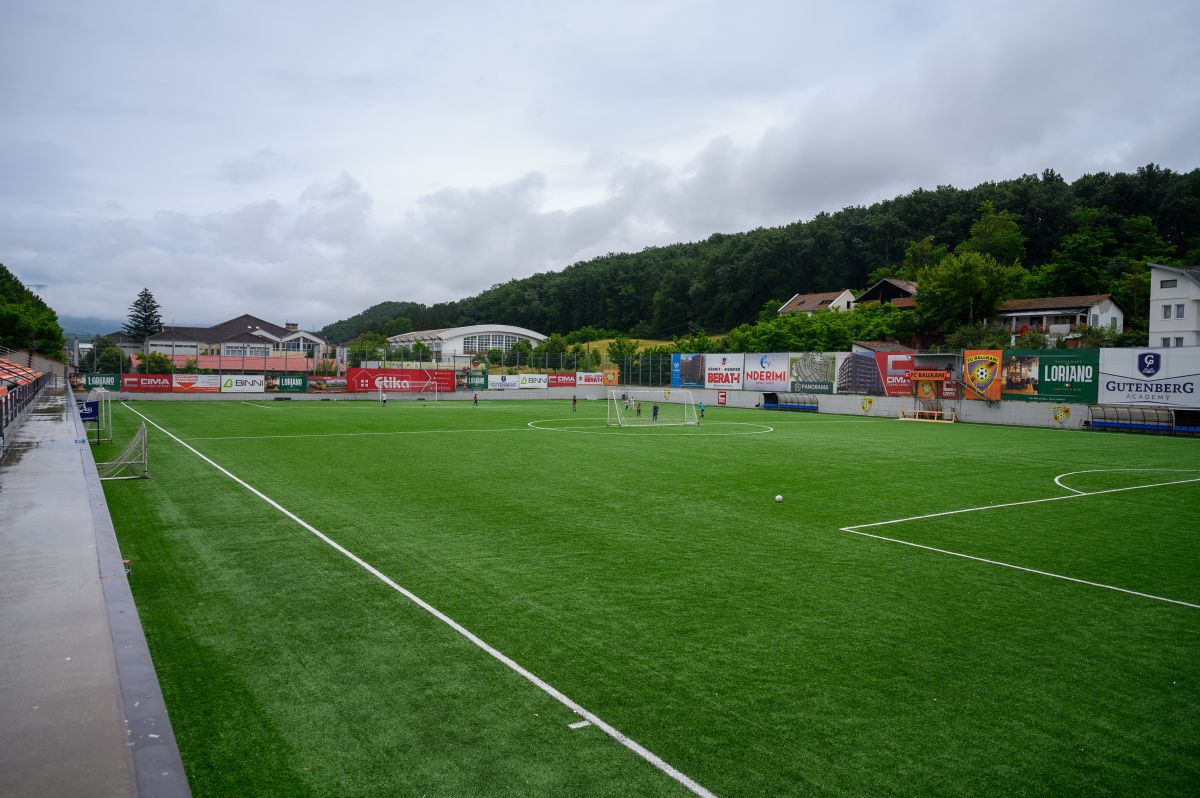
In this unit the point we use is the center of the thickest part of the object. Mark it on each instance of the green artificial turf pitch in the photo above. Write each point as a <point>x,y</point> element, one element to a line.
<point>649,575</point>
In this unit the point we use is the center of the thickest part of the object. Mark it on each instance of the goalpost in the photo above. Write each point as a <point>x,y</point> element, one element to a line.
<point>635,407</point>
<point>97,408</point>
<point>131,463</point>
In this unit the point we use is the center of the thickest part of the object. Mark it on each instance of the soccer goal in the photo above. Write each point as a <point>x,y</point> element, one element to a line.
<point>131,463</point>
<point>97,409</point>
<point>636,408</point>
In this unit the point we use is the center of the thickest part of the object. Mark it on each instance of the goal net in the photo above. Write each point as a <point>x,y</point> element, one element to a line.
<point>636,408</point>
<point>131,463</point>
<point>96,408</point>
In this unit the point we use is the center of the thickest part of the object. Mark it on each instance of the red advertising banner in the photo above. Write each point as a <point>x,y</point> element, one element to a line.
<point>561,381</point>
<point>894,369</point>
<point>399,380</point>
<point>146,383</point>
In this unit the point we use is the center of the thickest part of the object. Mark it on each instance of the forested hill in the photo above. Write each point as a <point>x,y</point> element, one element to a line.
<point>1078,238</point>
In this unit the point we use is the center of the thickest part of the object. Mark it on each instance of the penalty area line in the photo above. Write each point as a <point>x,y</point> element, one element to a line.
<point>637,748</point>
<point>855,530</point>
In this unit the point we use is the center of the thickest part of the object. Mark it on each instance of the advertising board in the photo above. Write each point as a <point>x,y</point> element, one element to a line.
<point>326,384</point>
<point>533,380</point>
<point>1051,375</point>
<point>687,371</point>
<point>503,382</point>
<point>110,382</point>
<point>981,374</point>
<point>724,370</point>
<point>765,371</point>
<point>561,380</point>
<point>287,383</point>
<point>399,380</point>
<point>146,383</point>
<point>196,383</point>
<point>894,368</point>
<point>1163,377</point>
<point>811,372</point>
<point>243,383</point>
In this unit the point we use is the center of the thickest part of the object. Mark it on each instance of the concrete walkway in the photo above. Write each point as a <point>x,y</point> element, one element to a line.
<point>80,708</point>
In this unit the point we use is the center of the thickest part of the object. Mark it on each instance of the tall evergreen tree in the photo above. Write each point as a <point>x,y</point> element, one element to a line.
<point>144,318</point>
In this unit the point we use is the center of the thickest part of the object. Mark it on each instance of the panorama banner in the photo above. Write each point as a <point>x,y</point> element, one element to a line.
<point>1051,375</point>
<point>765,371</point>
<point>243,383</point>
<point>196,383</point>
<point>146,383</point>
<point>981,374</point>
<point>687,371</point>
<point>724,370</point>
<point>812,372</point>
<point>503,382</point>
<point>1164,377</point>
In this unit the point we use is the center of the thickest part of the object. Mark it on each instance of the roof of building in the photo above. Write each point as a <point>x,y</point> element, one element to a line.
<point>889,289</point>
<point>225,331</point>
<point>1076,303</point>
<point>807,303</point>
<point>1192,272</point>
<point>447,333</point>
<point>883,346</point>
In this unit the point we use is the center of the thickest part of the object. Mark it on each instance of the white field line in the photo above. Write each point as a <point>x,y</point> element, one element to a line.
<point>649,756</point>
<point>351,434</point>
<point>260,407</point>
<point>855,530</point>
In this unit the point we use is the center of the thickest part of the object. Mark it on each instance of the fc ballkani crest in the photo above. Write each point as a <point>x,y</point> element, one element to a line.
<point>866,404</point>
<point>1060,414</point>
<point>982,368</point>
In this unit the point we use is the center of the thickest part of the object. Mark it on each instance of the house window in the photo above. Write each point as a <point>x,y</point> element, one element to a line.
<point>1167,283</point>
<point>1095,322</point>
<point>1166,311</point>
<point>1179,341</point>
<point>1166,342</point>
<point>1179,311</point>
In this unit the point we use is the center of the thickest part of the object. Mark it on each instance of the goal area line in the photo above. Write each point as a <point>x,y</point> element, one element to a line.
<point>857,530</point>
<point>632,745</point>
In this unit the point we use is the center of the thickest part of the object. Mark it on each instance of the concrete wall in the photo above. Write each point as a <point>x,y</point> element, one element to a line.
<point>1025,414</point>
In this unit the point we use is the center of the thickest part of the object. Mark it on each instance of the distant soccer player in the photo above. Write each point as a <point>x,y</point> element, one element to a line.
<point>475,401</point>
<point>639,409</point>
<point>654,412</point>
<point>702,410</point>
<point>573,402</point>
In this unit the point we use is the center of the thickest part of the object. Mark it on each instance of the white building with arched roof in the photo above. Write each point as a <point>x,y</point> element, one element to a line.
<point>472,340</point>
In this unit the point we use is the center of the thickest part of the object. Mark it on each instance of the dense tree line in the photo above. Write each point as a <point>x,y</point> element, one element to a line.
<point>25,320</point>
<point>1090,236</point>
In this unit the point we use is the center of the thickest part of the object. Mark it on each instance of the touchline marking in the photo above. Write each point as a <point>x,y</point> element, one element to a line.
<point>260,407</point>
<point>854,530</point>
<point>634,746</point>
<point>354,435</point>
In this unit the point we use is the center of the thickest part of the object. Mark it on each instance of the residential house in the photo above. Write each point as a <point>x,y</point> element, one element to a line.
<point>889,291</point>
<point>808,304</point>
<point>1063,317</point>
<point>1174,306</point>
<point>243,341</point>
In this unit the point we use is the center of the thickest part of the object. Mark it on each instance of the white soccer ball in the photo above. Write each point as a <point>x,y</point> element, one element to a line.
<point>778,499</point>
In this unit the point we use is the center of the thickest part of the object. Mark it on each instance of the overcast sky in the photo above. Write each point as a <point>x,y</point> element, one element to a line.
<point>302,161</point>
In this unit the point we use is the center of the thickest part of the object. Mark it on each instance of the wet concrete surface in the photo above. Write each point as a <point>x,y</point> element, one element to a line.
<point>64,729</point>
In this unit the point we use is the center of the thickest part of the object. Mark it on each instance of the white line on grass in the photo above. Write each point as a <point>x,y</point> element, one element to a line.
<point>854,530</point>
<point>260,407</point>
<point>352,434</point>
<point>637,748</point>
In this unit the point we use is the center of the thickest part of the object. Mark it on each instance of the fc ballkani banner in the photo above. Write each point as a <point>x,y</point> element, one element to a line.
<point>1051,375</point>
<point>1164,377</point>
<point>981,374</point>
